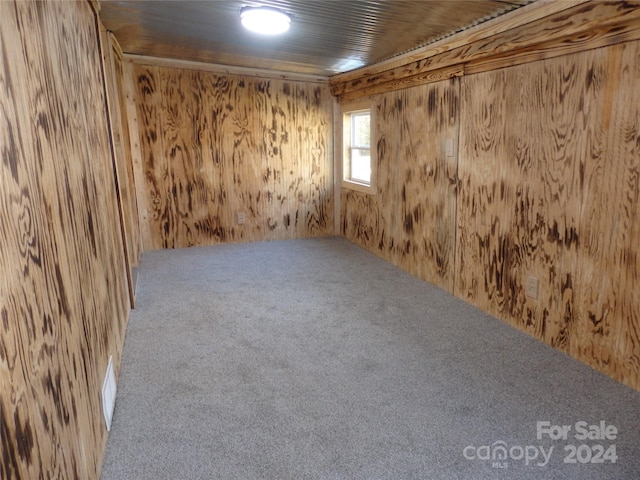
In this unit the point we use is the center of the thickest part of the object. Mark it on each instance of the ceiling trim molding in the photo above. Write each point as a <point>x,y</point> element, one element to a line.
<point>540,30</point>
<point>223,69</point>
<point>513,19</point>
<point>430,76</point>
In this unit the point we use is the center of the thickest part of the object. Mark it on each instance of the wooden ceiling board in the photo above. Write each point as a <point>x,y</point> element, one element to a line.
<point>326,37</point>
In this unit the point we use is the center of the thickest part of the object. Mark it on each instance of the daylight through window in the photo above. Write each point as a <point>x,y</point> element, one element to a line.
<point>357,158</point>
<point>360,148</point>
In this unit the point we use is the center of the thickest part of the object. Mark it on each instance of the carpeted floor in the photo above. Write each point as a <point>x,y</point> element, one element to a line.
<point>313,359</point>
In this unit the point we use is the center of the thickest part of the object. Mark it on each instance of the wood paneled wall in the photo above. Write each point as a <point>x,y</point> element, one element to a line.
<point>121,149</point>
<point>549,187</point>
<point>63,297</point>
<point>410,221</point>
<point>127,179</point>
<point>215,145</point>
<point>545,184</point>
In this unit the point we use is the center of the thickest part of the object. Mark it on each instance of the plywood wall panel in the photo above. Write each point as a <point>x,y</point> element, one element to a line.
<point>519,200</point>
<point>130,117</point>
<point>548,188</point>
<point>129,224</point>
<point>128,181</point>
<point>176,149</point>
<point>315,154</point>
<point>153,202</point>
<point>63,297</point>
<point>410,220</point>
<point>607,330</point>
<point>216,145</point>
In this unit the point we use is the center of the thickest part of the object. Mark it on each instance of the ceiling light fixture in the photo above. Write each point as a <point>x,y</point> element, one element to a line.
<point>265,20</point>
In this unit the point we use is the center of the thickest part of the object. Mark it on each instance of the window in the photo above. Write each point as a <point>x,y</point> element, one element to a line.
<point>357,159</point>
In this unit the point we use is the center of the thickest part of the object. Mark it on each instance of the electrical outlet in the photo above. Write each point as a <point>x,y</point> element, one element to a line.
<point>450,151</point>
<point>240,218</point>
<point>532,287</point>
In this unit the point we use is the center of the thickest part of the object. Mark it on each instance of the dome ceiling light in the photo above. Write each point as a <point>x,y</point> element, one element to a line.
<point>265,20</point>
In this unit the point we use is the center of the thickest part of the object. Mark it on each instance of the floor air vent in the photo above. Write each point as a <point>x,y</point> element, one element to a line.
<point>109,394</point>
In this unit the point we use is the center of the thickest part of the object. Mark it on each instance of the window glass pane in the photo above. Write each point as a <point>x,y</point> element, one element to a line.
<point>361,165</point>
<point>359,173</point>
<point>361,129</point>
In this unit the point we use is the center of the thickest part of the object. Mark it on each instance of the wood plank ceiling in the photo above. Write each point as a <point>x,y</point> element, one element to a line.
<point>326,37</point>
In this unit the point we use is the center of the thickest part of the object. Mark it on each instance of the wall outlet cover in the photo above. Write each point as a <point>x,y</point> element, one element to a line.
<point>532,287</point>
<point>450,147</point>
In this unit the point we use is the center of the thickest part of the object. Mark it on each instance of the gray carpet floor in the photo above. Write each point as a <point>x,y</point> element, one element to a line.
<point>314,359</point>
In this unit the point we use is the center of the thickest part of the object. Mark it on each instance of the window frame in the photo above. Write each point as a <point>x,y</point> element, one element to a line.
<point>347,147</point>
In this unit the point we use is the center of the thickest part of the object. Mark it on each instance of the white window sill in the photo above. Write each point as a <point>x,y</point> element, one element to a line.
<point>359,187</point>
